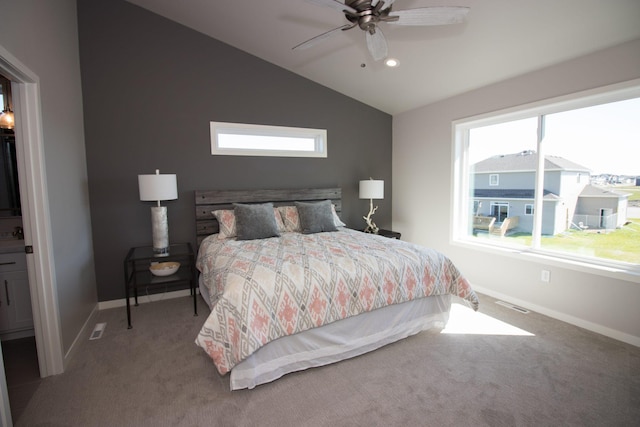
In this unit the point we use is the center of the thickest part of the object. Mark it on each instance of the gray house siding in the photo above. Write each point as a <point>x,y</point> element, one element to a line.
<point>564,181</point>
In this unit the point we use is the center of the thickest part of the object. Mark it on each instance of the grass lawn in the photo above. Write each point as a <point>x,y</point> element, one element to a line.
<point>621,244</point>
<point>634,190</point>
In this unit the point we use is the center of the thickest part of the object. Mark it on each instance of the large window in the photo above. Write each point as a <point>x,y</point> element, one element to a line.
<point>569,179</point>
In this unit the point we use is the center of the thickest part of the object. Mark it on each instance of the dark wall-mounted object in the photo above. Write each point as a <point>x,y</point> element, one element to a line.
<point>9,185</point>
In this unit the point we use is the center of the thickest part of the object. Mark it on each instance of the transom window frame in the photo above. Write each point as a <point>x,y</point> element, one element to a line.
<point>269,134</point>
<point>461,203</point>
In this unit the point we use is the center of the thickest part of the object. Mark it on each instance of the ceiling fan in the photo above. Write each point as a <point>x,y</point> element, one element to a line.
<point>368,14</point>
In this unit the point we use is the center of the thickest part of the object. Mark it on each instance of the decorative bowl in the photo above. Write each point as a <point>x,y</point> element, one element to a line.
<point>164,268</point>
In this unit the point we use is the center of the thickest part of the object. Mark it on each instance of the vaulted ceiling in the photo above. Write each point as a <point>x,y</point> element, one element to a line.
<point>500,39</point>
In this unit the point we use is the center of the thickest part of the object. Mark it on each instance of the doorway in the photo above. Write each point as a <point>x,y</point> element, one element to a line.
<point>17,335</point>
<point>25,90</point>
<point>500,211</point>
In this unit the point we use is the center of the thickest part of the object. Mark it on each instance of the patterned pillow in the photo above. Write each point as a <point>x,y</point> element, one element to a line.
<point>227,221</point>
<point>290,218</point>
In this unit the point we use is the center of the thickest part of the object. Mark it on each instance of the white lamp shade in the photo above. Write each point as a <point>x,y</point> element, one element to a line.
<point>372,189</point>
<point>158,187</point>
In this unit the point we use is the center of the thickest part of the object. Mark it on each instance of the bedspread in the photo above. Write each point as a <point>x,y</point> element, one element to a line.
<point>265,289</point>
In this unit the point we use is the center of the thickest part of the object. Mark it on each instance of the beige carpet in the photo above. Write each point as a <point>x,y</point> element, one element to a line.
<point>154,375</point>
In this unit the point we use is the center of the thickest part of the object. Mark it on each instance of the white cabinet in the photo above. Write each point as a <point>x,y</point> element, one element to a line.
<point>15,298</point>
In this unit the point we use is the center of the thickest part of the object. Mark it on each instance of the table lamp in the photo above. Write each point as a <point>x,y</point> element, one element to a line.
<point>371,189</point>
<point>157,188</point>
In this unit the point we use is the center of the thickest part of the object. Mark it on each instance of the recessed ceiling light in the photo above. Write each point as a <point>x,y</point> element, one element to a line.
<point>392,62</point>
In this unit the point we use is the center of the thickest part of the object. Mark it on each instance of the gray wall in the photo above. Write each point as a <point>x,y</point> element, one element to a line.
<point>43,36</point>
<point>422,156</point>
<point>150,89</point>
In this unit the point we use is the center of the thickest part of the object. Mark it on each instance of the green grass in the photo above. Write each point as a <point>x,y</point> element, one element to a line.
<point>620,244</point>
<point>634,190</point>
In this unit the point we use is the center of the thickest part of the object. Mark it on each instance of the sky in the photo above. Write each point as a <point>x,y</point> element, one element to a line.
<point>604,138</point>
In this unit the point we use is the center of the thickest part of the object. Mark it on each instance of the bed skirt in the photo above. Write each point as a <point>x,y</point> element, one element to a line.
<point>339,340</point>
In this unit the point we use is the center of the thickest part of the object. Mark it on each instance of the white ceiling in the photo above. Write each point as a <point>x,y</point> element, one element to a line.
<point>501,39</point>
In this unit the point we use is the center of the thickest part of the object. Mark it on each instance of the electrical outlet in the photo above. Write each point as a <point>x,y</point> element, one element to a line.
<point>545,276</point>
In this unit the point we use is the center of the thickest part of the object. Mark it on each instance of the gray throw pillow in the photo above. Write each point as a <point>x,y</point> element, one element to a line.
<point>255,221</point>
<point>316,217</point>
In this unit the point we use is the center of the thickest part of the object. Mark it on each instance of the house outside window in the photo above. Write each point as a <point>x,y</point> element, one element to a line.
<point>565,166</point>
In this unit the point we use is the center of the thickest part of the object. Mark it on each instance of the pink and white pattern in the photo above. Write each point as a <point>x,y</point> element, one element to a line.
<point>264,289</point>
<point>290,218</point>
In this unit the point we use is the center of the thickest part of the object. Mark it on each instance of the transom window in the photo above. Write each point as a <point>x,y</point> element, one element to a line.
<point>237,139</point>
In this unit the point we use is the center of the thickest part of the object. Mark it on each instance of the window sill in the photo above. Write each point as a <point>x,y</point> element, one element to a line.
<point>619,272</point>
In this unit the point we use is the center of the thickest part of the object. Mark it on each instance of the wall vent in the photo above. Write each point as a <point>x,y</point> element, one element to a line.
<point>513,307</point>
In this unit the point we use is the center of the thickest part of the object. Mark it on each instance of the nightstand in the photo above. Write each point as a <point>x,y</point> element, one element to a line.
<point>390,234</point>
<point>137,274</point>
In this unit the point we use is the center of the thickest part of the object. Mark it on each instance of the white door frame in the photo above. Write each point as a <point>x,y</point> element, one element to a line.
<point>25,89</point>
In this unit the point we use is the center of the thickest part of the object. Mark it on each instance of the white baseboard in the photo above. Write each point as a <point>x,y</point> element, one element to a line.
<point>143,299</point>
<point>576,321</point>
<point>83,334</point>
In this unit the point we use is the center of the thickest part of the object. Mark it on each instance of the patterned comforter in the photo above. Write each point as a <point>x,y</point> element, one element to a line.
<point>264,289</point>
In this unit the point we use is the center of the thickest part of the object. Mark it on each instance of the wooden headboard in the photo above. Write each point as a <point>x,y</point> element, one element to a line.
<point>207,201</point>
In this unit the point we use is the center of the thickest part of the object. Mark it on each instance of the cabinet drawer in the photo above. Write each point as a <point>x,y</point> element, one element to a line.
<point>13,262</point>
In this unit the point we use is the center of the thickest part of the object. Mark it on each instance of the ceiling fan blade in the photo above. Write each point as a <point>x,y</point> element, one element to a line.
<point>437,15</point>
<point>317,39</point>
<point>387,3</point>
<point>335,4</point>
<point>377,44</point>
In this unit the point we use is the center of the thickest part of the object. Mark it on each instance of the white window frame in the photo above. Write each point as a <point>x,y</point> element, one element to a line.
<point>529,209</point>
<point>494,179</point>
<point>461,182</point>
<point>220,129</point>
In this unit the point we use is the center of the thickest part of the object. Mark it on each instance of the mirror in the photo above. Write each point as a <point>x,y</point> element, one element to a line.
<point>9,185</point>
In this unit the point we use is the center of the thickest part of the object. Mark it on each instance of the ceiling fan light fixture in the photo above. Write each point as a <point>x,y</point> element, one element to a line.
<point>377,45</point>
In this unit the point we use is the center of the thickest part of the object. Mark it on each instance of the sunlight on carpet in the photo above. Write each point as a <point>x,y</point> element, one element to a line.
<point>463,320</point>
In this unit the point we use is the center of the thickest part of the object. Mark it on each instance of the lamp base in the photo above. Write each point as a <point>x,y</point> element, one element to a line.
<point>160,230</point>
<point>371,226</point>
<point>158,252</point>
<point>372,229</point>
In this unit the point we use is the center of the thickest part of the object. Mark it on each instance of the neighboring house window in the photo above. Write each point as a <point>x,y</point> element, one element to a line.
<point>558,153</point>
<point>237,139</point>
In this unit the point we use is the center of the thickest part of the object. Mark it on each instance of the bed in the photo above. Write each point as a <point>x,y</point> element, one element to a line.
<point>290,287</point>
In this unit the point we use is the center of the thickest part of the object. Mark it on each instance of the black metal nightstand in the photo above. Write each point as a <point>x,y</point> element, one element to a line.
<point>137,274</point>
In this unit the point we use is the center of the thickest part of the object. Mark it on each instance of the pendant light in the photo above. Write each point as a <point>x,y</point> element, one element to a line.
<point>7,119</point>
